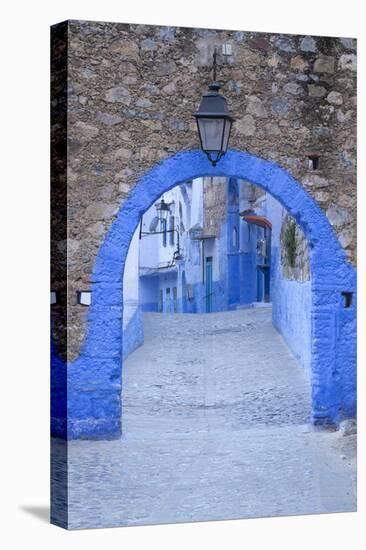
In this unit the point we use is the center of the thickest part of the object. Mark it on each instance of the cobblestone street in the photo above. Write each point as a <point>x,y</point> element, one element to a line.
<point>215,425</point>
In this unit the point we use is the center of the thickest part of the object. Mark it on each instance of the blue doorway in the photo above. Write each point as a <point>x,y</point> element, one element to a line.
<point>209,284</point>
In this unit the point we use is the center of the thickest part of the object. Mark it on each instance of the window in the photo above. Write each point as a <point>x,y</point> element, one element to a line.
<point>154,224</point>
<point>168,304</point>
<point>163,229</point>
<point>172,233</point>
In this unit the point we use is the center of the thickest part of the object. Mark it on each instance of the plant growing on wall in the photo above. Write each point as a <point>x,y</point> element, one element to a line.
<point>290,243</point>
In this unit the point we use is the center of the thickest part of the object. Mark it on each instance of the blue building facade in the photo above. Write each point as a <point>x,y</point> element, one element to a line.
<point>218,268</point>
<point>230,257</point>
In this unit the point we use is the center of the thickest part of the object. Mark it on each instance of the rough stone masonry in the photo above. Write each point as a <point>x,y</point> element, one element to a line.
<point>129,101</point>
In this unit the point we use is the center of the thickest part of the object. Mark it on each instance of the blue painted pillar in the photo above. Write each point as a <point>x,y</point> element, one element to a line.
<point>95,378</point>
<point>333,352</point>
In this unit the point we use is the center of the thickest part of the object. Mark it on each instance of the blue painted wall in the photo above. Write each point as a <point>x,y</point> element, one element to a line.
<point>291,315</point>
<point>248,262</point>
<point>133,334</point>
<point>291,300</point>
<point>94,379</point>
<point>248,277</point>
<point>233,276</point>
<point>149,293</point>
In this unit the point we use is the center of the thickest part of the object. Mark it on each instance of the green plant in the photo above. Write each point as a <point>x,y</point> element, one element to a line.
<point>290,243</point>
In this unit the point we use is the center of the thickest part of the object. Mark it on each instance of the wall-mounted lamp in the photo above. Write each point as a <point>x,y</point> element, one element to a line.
<point>214,121</point>
<point>162,209</point>
<point>83,297</point>
<point>178,256</point>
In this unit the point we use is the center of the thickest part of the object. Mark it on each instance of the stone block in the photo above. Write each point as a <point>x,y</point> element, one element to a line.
<point>100,211</point>
<point>348,43</point>
<point>298,63</point>
<point>337,215</point>
<point>346,237</point>
<point>165,68</point>
<point>84,132</point>
<point>344,117</point>
<point>255,107</point>
<point>284,44</point>
<point>246,125</point>
<point>272,129</point>
<point>143,102</point>
<point>308,44</point>
<point>335,98</point>
<point>170,89</point>
<point>280,106</point>
<point>348,62</point>
<point>108,118</point>
<point>313,180</point>
<point>324,64</point>
<point>125,49</point>
<point>293,89</point>
<point>118,94</point>
<point>122,153</point>
<point>148,45</point>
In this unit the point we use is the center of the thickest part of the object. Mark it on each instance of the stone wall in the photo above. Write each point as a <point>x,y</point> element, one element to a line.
<point>131,92</point>
<point>299,269</point>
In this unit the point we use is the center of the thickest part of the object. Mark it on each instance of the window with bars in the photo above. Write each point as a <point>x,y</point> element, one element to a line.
<point>172,233</point>
<point>163,229</point>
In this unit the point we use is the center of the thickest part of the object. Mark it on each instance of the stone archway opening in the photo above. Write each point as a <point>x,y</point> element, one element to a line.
<point>95,405</point>
<point>200,351</point>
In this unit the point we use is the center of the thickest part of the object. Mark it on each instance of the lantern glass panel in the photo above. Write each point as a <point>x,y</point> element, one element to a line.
<point>211,131</point>
<point>226,135</point>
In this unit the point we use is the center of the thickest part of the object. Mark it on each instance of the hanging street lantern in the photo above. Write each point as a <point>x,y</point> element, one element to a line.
<point>162,209</point>
<point>214,121</point>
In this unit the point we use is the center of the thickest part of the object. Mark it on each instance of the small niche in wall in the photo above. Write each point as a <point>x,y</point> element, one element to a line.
<point>55,297</point>
<point>347,299</point>
<point>83,297</point>
<point>313,161</point>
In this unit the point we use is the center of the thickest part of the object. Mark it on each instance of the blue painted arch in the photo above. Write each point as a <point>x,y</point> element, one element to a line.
<point>94,379</point>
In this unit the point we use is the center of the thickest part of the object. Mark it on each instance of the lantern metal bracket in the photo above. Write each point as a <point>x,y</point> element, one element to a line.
<point>214,66</point>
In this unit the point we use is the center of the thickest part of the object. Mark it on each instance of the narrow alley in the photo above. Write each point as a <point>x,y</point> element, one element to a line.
<point>216,425</point>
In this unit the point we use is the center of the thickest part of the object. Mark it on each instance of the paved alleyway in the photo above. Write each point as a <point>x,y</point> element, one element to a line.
<point>216,426</point>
